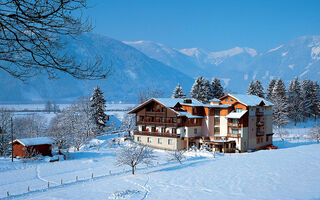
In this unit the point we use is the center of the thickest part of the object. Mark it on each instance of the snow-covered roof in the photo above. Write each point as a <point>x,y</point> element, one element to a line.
<point>236,115</point>
<point>35,141</point>
<point>214,99</point>
<point>250,100</point>
<point>171,102</point>
<point>189,115</point>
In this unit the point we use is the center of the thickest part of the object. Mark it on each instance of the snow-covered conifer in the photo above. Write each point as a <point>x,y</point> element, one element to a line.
<point>200,90</point>
<point>98,103</point>
<point>307,98</point>
<point>315,100</point>
<point>178,92</point>
<point>251,89</point>
<point>258,89</point>
<point>280,107</point>
<point>270,89</point>
<point>216,89</point>
<point>315,133</point>
<point>295,101</point>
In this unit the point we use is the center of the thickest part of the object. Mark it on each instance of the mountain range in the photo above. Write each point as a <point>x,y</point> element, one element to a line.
<point>141,65</point>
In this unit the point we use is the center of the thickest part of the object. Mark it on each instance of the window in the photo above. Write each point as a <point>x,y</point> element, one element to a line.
<point>235,131</point>
<point>217,130</point>
<point>163,120</point>
<point>231,100</point>
<point>259,140</point>
<point>149,139</point>
<point>139,139</point>
<point>267,138</point>
<point>159,140</point>
<point>174,131</point>
<point>163,130</point>
<point>226,99</point>
<point>153,129</point>
<point>184,130</point>
<point>238,110</point>
<point>194,121</point>
<point>235,121</point>
<point>174,120</point>
<point>195,131</point>
<point>217,121</point>
<point>170,141</point>
<point>216,112</point>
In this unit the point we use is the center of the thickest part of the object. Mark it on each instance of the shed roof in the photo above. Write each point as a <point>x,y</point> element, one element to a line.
<point>236,115</point>
<point>34,141</point>
<point>250,100</point>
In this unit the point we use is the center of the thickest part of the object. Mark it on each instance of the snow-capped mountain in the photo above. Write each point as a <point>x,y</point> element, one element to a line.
<point>132,72</point>
<point>238,66</point>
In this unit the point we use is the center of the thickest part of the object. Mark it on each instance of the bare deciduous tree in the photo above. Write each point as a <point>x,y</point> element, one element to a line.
<point>33,34</point>
<point>177,155</point>
<point>315,133</point>
<point>145,95</point>
<point>133,155</point>
<point>128,123</point>
<point>30,126</point>
<point>5,129</point>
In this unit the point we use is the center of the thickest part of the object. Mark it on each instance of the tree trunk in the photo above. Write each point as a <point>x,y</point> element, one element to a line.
<point>133,170</point>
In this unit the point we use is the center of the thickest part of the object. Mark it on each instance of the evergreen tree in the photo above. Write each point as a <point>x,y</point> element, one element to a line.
<point>251,88</point>
<point>178,92</point>
<point>315,100</point>
<point>98,104</point>
<point>258,89</point>
<point>270,89</point>
<point>295,101</point>
<point>200,90</point>
<point>307,94</point>
<point>280,108</point>
<point>216,89</point>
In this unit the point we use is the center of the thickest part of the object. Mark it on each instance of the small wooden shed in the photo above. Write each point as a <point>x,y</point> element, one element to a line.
<point>29,147</point>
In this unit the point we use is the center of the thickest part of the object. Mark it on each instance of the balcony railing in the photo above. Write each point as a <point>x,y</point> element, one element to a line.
<point>157,134</point>
<point>234,134</point>
<point>260,123</point>
<point>153,113</point>
<point>168,124</point>
<point>234,125</point>
<point>259,113</point>
<point>260,133</point>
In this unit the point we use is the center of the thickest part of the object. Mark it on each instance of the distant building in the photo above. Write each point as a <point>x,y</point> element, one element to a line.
<point>233,122</point>
<point>29,147</point>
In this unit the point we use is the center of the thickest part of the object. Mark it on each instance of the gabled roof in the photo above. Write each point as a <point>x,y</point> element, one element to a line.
<point>236,115</point>
<point>189,115</point>
<point>34,141</point>
<point>214,99</point>
<point>250,100</point>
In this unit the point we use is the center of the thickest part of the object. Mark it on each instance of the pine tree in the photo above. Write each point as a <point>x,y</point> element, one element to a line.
<point>251,89</point>
<point>295,101</point>
<point>178,92</point>
<point>280,108</point>
<point>315,100</point>
<point>307,97</point>
<point>200,90</point>
<point>258,89</point>
<point>270,89</point>
<point>216,89</point>
<point>98,103</point>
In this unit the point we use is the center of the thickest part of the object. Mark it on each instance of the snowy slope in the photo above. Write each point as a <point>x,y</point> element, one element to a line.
<point>132,71</point>
<point>291,172</point>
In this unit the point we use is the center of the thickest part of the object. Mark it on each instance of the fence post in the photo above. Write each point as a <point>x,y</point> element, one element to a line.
<point>61,181</point>
<point>28,188</point>
<point>109,172</point>
<point>8,194</point>
<point>48,184</point>
<point>92,175</point>
<point>76,178</point>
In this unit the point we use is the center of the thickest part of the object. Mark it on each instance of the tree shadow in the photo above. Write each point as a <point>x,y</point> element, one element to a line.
<point>291,143</point>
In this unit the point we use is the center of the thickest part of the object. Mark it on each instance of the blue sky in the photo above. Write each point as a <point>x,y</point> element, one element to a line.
<point>209,24</point>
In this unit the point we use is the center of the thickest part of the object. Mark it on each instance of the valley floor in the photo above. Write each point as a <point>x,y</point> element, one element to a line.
<point>291,172</point>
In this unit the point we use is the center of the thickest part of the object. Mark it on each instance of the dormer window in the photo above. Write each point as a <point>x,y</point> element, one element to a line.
<point>238,110</point>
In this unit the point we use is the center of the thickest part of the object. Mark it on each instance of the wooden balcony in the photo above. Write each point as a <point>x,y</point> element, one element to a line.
<point>156,134</point>
<point>157,114</point>
<point>259,113</point>
<point>260,133</point>
<point>260,123</point>
<point>234,135</point>
<point>171,124</point>
<point>236,125</point>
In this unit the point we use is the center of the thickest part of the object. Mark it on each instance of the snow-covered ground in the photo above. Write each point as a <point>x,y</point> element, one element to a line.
<point>291,172</point>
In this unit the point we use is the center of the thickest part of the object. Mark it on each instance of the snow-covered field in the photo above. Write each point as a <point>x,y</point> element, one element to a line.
<point>291,172</point>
